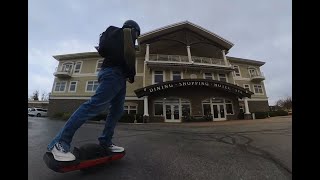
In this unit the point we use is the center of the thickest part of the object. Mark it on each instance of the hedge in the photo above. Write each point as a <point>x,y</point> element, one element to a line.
<point>196,118</point>
<point>127,118</point>
<point>262,115</point>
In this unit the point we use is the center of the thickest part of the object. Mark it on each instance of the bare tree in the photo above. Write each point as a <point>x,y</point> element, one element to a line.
<point>44,96</point>
<point>285,103</point>
<point>279,103</point>
<point>35,96</point>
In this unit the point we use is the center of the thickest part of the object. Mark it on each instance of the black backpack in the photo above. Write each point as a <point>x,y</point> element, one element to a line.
<point>106,40</point>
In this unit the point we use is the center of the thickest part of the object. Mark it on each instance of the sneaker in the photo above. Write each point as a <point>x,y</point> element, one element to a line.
<point>114,148</point>
<point>60,154</point>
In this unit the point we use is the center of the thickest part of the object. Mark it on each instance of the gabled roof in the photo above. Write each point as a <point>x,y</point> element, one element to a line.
<point>186,24</point>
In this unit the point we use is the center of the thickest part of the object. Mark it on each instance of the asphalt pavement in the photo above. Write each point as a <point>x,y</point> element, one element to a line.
<point>242,150</point>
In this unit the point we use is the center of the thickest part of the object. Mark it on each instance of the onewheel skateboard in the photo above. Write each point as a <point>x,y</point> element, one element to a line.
<point>87,156</point>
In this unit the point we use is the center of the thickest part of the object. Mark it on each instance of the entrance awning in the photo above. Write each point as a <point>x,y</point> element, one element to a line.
<point>196,83</point>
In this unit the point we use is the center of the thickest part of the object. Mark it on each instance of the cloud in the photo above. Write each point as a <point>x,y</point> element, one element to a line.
<point>42,65</point>
<point>260,30</point>
<point>73,46</point>
<point>36,82</point>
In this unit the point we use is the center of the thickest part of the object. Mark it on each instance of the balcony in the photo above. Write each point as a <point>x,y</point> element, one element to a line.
<point>184,59</point>
<point>161,58</point>
<point>177,61</point>
<point>208,61</point>
<point>257,77</point>
<point>63,72</point>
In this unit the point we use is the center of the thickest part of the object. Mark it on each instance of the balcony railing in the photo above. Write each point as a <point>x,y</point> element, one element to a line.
<point>184,59</point>
<point>168,58</point>
<point>206,60</point>
<point>63,72</point>
<point>257,76</point>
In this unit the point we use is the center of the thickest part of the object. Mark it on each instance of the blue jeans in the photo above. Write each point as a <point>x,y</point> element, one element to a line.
<point>110,94</point>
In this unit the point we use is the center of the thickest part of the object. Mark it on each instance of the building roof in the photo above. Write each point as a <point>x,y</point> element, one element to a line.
<point>186,24</point>
<point>246,61</point>
<point>76,55</point>
<point>167,29</point>
<point>96,54</point>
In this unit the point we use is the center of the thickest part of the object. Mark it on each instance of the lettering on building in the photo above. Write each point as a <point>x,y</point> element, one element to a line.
<point>190,83</point>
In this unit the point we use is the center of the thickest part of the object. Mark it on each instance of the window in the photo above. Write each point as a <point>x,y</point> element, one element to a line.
<point>193,76</point>
<point>206,109</point>
<point>92,86</point>
<point>257,89</point>
<point>206,101</point>
<point>176,75</point>
<point>247,87</point>
<point>229,107</point>
<point>66,67</point>
<point>99,64</point>
<point>241,108</point>
<point>158,76</point>
<point>223,77</point>
<point>208,76</point>
<point>252,72</point>
<point>130,109</point>
<point>60,86</point>
<point>73,86</point>
<point>158,109</point>
<point>236,70</point>
<point>77,67</point>
<point>185,107</point>
<point>217,100</point>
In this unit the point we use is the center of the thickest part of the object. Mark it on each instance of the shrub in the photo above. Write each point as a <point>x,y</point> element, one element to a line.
<point>101,116</point>
<point>66,115</point>
<point>187,118</point>
<point>196,118</point>
<point>139,118</point>
<point>62,115</point>
<point>58,115</point>
<point>278,113</point>
<point>261,115</point>
<point>127,118</point>
<point>241,115</point>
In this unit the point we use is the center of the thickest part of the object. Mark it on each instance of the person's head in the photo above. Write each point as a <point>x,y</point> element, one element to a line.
<point>133,26</point>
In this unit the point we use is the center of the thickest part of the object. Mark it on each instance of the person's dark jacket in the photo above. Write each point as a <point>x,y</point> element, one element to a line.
<point>122,52</point>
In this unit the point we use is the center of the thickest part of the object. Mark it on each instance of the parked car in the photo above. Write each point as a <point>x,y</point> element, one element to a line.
<point>38,112</point>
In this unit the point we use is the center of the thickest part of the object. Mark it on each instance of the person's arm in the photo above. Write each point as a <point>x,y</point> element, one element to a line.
<point>129,53</point>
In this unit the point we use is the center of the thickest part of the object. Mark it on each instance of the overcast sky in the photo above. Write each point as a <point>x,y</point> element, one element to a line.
<point>259,29</point>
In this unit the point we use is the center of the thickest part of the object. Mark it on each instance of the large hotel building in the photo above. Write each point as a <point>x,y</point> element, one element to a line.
<point>182,70</point>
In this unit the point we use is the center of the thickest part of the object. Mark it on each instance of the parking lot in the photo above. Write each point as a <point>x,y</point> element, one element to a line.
<point>247,149</point>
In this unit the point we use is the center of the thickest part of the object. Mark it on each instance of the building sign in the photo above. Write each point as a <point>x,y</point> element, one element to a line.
<point>239,91</point>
